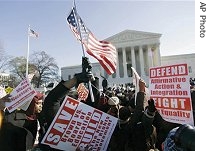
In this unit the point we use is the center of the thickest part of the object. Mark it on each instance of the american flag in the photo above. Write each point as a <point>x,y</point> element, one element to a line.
<point>32,33</point>
<point>103,51</point>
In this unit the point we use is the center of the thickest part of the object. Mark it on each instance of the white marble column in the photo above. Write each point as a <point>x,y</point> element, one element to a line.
<point>150,56</point>
<point>118,67</point>
<point>157,60</point>
<point>154,58</point>
<point>133,58</point>
<point>155,55</point>
<point>124,63</point>
<point>141,56</point>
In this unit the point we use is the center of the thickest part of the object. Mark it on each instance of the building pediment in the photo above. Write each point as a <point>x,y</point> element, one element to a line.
<point>132,35</point>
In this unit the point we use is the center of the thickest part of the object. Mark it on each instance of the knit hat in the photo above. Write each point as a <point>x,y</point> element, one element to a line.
<point>113,100</point>
<point>124,113</point>
<point>169,144</point>
<point>185,137</point>
<point>30,112</point>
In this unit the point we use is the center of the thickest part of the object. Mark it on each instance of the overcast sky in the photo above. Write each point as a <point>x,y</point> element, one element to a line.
<point>175,20</point>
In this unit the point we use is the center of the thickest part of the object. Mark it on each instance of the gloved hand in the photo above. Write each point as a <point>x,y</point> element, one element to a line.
<point>151,106</point>
<point>86,73</point>
<point>86,65</point>
<point>87,68</point>
<point>81,77</point>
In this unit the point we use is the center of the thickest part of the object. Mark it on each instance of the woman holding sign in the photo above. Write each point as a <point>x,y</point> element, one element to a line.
<point>20,128</point>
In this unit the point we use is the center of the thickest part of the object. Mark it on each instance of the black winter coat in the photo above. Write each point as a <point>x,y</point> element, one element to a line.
<point>17,132</point>
<point>123,138</point>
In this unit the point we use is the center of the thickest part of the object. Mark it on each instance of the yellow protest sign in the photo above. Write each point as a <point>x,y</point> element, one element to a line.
<point>8,90</point>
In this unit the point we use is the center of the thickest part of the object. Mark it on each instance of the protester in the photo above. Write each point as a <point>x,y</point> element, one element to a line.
<point>181,138</point>
<point>192,94</point>
<point>20,128</point>
<point>124,138</point>
<point>32,113</point>
<point>103,103</point>
<point>147,121</point>
<point>144,134</point>
<point>104,84</point>
<point>2,107</point>
<point>138,128</point>
<point>163,127</point>
<point>55,97</point>
<point>3,100</point>
<point>24,125</point>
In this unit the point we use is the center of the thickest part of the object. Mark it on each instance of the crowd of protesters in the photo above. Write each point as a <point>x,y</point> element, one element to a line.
<point>140,127</point>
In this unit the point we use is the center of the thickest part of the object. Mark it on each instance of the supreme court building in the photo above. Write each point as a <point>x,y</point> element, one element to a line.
<point>137,49</point>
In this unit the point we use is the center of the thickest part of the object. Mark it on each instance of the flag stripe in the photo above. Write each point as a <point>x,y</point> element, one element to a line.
<point>106,53</point>
<point>106,58</point>
<point>103,51</point>
<point>106,64</point>
<point>74,30</point>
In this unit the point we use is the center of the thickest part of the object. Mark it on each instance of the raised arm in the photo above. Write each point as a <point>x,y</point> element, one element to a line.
<point>139,108</point>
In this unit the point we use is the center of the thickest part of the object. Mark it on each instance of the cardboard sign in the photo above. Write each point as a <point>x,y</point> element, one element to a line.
<point>170,88</point>
<point>2,92</point>
<point>8,90</point>
<point>82,92</point>
<point>78,125</point>
<point>23,93</point>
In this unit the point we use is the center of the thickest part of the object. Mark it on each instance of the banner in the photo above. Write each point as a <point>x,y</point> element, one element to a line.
<point>78,125</point>
<point>170,88</point>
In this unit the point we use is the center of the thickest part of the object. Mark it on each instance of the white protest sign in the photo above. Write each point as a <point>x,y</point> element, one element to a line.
<point>2,92</point>
<point>30,76</point>
<point>136,79</point>
<point>77,125</point>
<point>169,87</point>
<point>23,93</point>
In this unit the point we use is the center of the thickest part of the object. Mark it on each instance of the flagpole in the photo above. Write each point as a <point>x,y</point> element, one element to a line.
<point>27,55</point>
<point>89,83</point>
<point>74,6</point>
